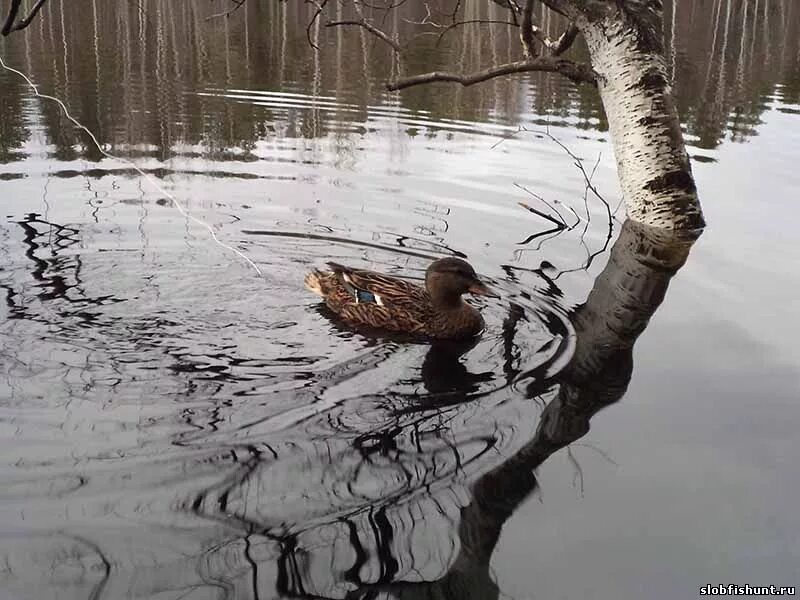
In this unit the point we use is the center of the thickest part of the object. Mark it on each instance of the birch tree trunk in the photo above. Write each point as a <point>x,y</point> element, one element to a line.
<point>626,46</point>
<point>618,309</point>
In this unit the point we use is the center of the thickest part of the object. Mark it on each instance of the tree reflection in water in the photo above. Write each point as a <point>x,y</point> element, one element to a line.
<point>381,510</point>
<point>360,545</point>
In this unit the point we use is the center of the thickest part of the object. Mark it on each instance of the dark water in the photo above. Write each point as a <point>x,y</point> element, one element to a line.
<point>174,426</point>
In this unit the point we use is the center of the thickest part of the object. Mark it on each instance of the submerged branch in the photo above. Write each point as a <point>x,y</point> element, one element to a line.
<point>577,72</point>
<point>369,27</point>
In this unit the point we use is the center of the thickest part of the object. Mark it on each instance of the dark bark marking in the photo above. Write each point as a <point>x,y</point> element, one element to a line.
<point>652,80</point>
<point>643,19</point>
<point>674,180</point>
<point>651,121</point>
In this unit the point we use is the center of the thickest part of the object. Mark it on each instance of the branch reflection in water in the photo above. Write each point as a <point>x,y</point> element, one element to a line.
<point>356,541</point>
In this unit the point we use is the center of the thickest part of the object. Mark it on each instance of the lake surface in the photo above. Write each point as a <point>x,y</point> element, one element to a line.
<point>175,425</point>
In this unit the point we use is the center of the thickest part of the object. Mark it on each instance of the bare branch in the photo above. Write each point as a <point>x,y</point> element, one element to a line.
<point>579,164</point>
<point>577,72</point>
<point>527,30</point>
<point>564,42</point>
<point>12,15</point>
<point>520,129</point>
<point>559,46</point>
<point>509,4</point>
<point>227,13</point>
<point>557,230</point>
<point>587,179</point>
<point>9,25</point>
<point>455,11</point>
<point>27,20</point>
<point>320,8</point>
<point>559,223</point>
<point>385,8</point>
<point>427,20</point>
<point>562,226</point>
<point>369,27</point>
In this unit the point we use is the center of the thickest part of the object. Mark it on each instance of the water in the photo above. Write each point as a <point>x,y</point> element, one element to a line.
<point>174,426</point>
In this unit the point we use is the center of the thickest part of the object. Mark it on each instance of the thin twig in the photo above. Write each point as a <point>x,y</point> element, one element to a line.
<point>555,230</point>
<point>455,11</point>
<point>227,13</point>
<point>559,227</point>
<point>586,198</point>
<point>589,185</point>
<point>520,129</point>
<point>320,8</point>
<point>578,477</point>
<point>543,201</point>
<point>426,20</point>
<point>371,28</point>
<point>572,210</point>
<point>602,453</point>
<point>387,8</point>
<point>586,178</point>
<point>589,259</point>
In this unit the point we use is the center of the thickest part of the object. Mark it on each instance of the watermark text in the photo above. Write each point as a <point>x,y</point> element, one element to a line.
<point>747,590</point>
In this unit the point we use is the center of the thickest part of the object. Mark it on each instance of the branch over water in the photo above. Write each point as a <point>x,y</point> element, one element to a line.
<point>577,72</point>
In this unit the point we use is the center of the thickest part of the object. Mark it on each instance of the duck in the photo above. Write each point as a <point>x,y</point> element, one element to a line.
<point>437,311</point>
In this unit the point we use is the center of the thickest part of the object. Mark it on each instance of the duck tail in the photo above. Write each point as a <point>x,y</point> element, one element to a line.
<point>315,282</point>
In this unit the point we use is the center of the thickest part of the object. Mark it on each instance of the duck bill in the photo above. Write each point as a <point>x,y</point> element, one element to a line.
<point>480,289</point>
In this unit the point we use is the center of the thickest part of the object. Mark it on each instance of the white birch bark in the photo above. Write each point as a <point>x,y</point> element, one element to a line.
<point>653,166</point>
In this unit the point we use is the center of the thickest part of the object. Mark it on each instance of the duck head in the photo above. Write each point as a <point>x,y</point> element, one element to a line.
<point>448,278</point>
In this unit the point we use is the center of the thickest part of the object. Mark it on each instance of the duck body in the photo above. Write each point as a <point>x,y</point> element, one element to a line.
<point>362,297</point>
